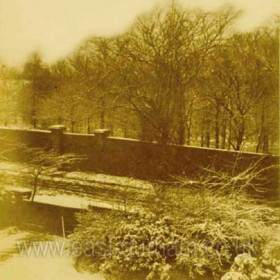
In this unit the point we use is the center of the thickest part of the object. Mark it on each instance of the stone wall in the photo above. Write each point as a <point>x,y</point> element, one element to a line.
<point>129,157</point>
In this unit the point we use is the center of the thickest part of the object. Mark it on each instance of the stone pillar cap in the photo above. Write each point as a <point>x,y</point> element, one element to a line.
<point>57,127</point>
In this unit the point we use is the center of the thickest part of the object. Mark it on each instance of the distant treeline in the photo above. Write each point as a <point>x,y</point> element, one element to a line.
<point>176,76</point>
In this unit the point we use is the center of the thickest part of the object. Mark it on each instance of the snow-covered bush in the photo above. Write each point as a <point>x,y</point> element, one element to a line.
<point>187,234</point>
<point>264,267</point>
<point>143,243</point>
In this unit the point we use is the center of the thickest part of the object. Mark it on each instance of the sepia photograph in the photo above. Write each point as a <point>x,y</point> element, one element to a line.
<point>139,140</point>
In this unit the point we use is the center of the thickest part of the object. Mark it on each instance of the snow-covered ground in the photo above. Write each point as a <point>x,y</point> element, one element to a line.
<point>73,201</point>
<point>67,189</point>
<point>15,265</point>
<point>74,189</point>
<point>13,168</point>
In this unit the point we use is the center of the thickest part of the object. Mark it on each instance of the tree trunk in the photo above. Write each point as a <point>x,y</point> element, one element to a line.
<point>229,133</point>
<point>164,136</point>
<point>202,140</point>
<point>262,133</point>
<point>34,189</point>
<point>217,126</point>
<point>89,125</point>
<point>102,119</point>
<point>224,134</point>
<point>208,138</point>
<point>265,142</point>
<point>188,135</point>
<point>34,122</point>
<point>240,136</point>
<point>72,126</point>
<point>102,113</point>
<point>125,133</point>
<point>181,132</point>
<point>259,144</point>
<point>189,126</point>
<point>111,129</point>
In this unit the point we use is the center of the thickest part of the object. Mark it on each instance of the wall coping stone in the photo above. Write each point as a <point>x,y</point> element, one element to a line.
<point>57,128</point>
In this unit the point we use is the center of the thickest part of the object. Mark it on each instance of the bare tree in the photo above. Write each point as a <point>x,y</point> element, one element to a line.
<point>240,84</point>
<point>160,59</point>
<point>38,84</point>
<point>43,162</point>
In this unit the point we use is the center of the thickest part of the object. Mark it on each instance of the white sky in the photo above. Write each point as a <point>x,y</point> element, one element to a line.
<point>57,27</point>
